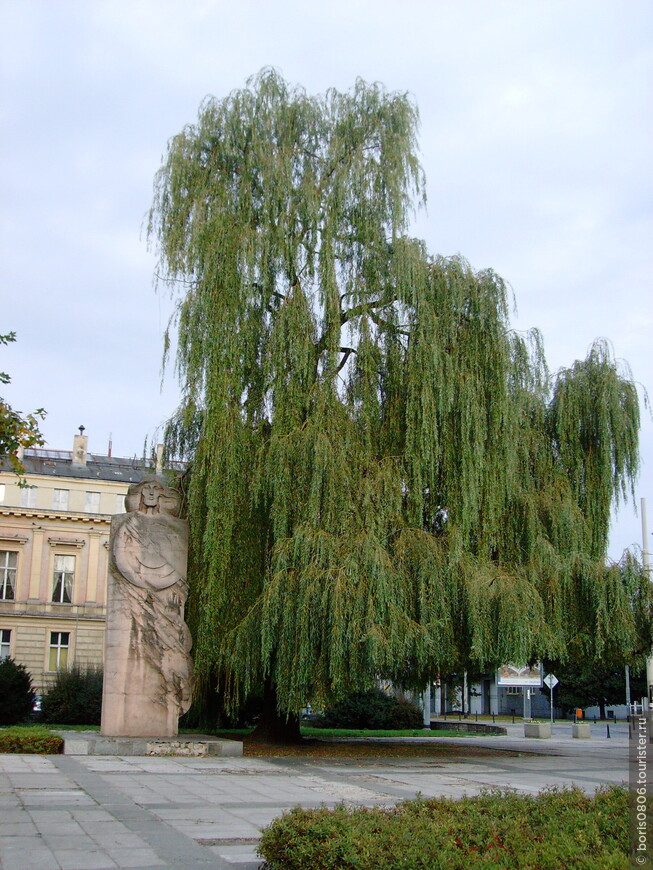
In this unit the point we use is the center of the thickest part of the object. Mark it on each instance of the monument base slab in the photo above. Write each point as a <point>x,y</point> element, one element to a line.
<point>196,745</point>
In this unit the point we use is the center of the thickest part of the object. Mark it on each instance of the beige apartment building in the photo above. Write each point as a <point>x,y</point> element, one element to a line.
<point>54,537</point>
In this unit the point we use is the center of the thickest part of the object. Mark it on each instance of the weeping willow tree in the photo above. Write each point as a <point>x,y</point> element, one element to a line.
<point>383,480</point>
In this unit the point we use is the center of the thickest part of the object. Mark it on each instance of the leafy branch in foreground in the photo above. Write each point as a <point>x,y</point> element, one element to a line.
<point>17,432</point>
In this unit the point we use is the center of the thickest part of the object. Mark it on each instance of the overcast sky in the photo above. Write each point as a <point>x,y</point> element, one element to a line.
<point>536,139</point>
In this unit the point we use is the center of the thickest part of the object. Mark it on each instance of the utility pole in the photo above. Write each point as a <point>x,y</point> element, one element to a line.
<point>426,706</point>
<point>646,559</point>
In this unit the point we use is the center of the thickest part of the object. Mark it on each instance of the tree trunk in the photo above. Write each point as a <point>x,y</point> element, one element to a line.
<point>276,727</point>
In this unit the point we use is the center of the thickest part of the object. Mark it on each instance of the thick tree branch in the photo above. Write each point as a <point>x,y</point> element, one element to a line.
<point>350,313</point>
<point>346,351</point>
<point>259,287</point>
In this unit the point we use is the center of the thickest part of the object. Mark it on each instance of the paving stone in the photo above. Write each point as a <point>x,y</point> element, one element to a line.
<point>14,852</point>
<point>134,858</point>
<point>145,813</point>
<point>236,853</point>
<point>84,859</point>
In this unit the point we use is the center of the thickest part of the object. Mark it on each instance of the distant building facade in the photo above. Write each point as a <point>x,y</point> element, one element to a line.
<point>54,536</point>
<point>487,697</point>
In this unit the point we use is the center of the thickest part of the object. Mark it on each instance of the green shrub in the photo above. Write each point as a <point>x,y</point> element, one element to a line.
<point>559,828</point>
<point>405,715</point>
<point>16,693</point>
<point>75,698</point>
<point>32,740</point>
<point>371,709</point>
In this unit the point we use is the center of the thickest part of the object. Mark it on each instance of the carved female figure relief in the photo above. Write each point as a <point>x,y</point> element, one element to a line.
<point>148,669</point>
<point>150,546</point>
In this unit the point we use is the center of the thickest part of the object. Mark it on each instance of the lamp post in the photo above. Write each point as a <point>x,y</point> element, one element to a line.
<point>646,559</point>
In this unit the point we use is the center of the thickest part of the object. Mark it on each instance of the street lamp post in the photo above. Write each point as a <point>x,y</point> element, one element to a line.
<point>646,559</point>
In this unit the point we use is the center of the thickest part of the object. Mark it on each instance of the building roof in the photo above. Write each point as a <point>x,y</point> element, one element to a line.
<point>59,463</point>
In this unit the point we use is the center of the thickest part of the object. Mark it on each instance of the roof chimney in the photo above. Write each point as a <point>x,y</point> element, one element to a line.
<point>80,445</point>
<point>159,459</point>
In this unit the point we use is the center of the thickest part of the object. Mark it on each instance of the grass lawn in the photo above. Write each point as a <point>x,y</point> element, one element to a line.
<point>318,743</point>
<point>369,732</point>
<point>342,743</point>
<point>72,727</point>
<point>31,728</point>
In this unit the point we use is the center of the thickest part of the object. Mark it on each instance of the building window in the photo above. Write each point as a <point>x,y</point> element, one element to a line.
<point>2,493</point>
<point>28,496</point>
<point>93,502</point>
<point>59,644</point>
<point>5,643</point>
<point>120,504</point>
<point>60,500</point>
<point>64,574</point>
<point>8,562</point>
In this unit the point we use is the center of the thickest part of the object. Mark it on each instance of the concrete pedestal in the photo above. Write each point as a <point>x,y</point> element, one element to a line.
<point>94,743</point>
<point>540,730</point>
<point>581,730</point>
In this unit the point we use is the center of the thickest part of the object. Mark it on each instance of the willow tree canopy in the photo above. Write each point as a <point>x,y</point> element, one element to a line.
<point>384,478</point>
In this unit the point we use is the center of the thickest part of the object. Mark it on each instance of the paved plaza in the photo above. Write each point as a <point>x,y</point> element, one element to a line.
<point>172,813</point>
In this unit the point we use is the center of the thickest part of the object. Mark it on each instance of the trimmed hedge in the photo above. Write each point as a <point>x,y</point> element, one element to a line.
<point>501,830</point>
<point>373,709</point>
<point>30,741</point>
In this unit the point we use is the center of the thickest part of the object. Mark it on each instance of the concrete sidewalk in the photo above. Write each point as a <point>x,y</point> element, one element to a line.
<point>167,813</point>
<point>560,743</point>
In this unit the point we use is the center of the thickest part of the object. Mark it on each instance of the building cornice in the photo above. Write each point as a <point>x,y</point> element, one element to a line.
<point>67,516</point>
<point>66,542</point>
<point>13,539</point>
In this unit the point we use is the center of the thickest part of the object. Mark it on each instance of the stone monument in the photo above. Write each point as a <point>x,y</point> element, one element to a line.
<point>147,663</point>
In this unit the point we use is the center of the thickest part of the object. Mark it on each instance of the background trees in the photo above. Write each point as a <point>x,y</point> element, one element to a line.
<point>594,684</point>
<point>17,431</point>
<point>385,480</point>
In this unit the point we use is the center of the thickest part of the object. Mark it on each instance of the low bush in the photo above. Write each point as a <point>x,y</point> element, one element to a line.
<point>372,709</point>
<point>500,830</point>
<point>30,741</point>
<point>16,693</point>
<point>405,715</point>
<point>75,698</point>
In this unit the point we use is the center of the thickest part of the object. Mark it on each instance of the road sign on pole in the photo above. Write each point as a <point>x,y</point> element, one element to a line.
<point>552,681</point>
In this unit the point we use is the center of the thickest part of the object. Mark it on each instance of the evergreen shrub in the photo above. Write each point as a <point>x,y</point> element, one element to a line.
<point>75,698</point>
<point>16,693</point>
<point>372,709</point>
<point>501,830</point>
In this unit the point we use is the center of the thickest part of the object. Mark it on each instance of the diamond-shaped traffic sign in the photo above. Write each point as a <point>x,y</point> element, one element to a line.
<point>551,680</point>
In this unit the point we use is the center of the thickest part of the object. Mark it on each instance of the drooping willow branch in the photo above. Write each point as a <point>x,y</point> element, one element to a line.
<point>340,387</point>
